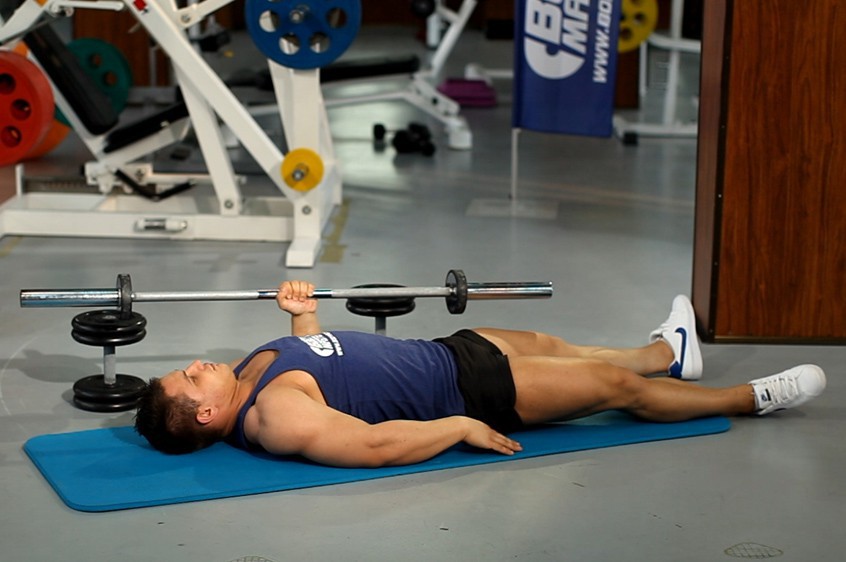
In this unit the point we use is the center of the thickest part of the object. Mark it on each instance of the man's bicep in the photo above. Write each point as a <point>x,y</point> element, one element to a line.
<point>305,427</point>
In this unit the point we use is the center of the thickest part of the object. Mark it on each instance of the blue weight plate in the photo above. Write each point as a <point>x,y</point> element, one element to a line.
<point>303,34</point>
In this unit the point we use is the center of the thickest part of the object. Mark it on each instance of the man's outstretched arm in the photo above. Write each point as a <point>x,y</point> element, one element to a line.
<point>297,424</point>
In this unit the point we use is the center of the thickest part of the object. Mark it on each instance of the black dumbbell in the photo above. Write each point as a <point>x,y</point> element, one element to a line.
<point>415,138</point>
<point>108,391</point>
<point>423,8</point>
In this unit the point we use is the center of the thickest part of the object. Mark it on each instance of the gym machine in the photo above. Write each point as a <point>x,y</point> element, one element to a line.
<point>134,200</point>
<point>420,90</point>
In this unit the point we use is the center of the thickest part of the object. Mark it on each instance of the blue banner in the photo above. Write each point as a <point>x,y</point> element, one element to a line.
<point>565,65</point>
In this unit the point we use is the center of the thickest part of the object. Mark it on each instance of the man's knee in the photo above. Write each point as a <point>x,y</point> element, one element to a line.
<point>624,387</point>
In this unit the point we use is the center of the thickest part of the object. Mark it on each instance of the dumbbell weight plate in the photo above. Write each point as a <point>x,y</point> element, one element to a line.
<point>93,394</point>
<point>106,327</point>
<point>420,130</point>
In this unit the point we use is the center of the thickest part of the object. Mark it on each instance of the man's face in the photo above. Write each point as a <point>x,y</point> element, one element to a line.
<point>203,382</point>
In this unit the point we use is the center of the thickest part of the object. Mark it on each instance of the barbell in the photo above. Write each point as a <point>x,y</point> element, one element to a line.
<point>457,291</point>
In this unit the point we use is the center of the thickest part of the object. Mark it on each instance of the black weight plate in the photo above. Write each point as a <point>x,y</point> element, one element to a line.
<point>97,321</point>
<point>93,394</point>
<point>107,327</point>
<point>380,306</point>
<point>457,302</point>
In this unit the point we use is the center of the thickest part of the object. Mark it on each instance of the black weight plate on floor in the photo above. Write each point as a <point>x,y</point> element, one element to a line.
<point>93,394</point>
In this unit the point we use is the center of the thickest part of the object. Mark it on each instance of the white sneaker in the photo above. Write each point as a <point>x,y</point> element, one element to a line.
<point>787,389</point>
<point>679,330</point>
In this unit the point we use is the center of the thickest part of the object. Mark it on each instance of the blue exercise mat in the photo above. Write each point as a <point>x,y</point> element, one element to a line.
<point>112,469</point>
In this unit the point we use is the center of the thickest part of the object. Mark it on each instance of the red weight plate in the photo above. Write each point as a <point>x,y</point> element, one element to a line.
<point>54,137</point>
<point>26,107</point>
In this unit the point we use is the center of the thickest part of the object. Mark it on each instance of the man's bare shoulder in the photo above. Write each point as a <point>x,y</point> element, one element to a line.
<point>282,409</point>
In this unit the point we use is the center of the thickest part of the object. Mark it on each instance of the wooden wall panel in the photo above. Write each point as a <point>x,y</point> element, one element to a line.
<point>709,163</point>
<point>778,257</point>
<point>123,32</point>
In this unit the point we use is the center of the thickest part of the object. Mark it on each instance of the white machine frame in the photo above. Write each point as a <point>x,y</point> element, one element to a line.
<point>674,44</point>
<point>294,216</point>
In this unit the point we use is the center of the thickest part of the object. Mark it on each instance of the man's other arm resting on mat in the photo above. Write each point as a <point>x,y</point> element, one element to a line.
<point>327,436</point>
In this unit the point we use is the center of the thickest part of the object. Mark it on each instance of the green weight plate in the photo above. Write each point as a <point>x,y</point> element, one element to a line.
<point>107,68</point>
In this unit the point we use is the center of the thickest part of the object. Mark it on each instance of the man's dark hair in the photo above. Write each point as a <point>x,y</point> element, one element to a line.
<point>169,422</point>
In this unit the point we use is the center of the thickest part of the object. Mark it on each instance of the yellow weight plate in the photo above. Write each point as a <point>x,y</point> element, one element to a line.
<point>302,169</point>
<point>637,23</point>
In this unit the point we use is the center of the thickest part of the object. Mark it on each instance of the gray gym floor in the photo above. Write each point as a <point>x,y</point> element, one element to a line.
<point>618,251</point>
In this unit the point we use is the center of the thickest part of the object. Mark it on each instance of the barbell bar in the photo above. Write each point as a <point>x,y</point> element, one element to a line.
<point>457,292</point>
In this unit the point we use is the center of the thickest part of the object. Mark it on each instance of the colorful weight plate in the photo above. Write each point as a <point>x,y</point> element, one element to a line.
<point>54,137</point>
<point>637,23</point>
<point>107,67</point>
<point>302,169</point>
<point>26,107</point>
<point>301,34</point>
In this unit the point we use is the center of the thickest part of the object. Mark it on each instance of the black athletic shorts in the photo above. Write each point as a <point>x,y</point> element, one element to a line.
<point>485,380</point>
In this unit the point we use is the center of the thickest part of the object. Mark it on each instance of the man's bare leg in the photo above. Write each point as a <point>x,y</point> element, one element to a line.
<point>650,359</point>
<point>552,388</point>
<point>673,348</point>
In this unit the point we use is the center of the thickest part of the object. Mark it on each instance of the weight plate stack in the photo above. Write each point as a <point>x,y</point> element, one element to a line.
<point>108,328</point>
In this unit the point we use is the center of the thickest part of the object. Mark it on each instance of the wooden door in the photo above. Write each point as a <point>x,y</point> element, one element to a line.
<point>770,242</point>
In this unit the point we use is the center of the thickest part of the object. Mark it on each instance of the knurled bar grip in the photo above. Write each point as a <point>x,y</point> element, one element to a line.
<point>31,298</point>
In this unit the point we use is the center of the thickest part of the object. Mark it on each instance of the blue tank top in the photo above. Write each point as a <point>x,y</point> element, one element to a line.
<point>372,377</point>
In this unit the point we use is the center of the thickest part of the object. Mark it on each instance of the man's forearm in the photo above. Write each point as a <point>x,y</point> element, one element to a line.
<point>407,442</point>
<point>305,324</point>
<point>347,441</point>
